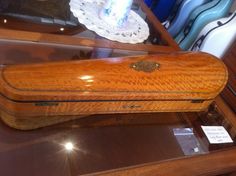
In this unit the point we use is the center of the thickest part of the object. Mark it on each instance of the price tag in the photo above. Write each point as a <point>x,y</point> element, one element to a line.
<point>217,134</point>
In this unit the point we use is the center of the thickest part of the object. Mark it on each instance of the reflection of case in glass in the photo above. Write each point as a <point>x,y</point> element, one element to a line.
<point>188,141</point>
<point>116,12</point>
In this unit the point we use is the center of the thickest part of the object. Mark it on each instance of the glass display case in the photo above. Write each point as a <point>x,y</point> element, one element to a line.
<point>118,144</point>
<point>37,30</point>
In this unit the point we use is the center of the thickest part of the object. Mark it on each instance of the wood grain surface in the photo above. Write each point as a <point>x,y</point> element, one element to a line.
<point>28,116</point>
<point>180,76</point>
<point>60,91</point>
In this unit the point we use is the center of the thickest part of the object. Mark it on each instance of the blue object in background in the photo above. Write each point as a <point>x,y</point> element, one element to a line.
<point>148,2</point>
<point>173,13</point>
<point>161,8</point>
<point>217,36</point>
<point>200,17</point>
<point>185,9</point>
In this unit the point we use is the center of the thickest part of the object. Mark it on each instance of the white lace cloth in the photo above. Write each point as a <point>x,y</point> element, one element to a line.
<point>135,30</point>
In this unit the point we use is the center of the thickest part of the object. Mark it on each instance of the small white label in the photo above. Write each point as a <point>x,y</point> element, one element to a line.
<point>217,134</point>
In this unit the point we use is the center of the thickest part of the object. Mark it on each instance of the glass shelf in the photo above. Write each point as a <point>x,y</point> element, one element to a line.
<point>105,142</point>
<point>35,16</point>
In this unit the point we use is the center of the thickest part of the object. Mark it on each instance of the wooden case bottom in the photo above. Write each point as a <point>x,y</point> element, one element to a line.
<point>26,117</point>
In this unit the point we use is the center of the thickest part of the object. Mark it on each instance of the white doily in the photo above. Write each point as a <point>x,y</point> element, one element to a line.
<point>135,30</point>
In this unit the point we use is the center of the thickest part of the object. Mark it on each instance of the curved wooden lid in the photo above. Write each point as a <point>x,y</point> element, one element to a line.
<point>152,77</point>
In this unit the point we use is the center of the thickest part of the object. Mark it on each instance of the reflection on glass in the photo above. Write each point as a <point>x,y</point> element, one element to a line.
<point>188,141</point>
<point>69,146</point>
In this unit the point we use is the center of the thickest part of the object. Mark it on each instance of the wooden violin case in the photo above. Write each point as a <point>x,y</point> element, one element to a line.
<point>37,95</point>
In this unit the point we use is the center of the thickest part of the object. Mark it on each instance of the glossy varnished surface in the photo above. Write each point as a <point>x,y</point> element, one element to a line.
<point>179,76</point>
<point>117,141</point>
<point>38,95</point>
